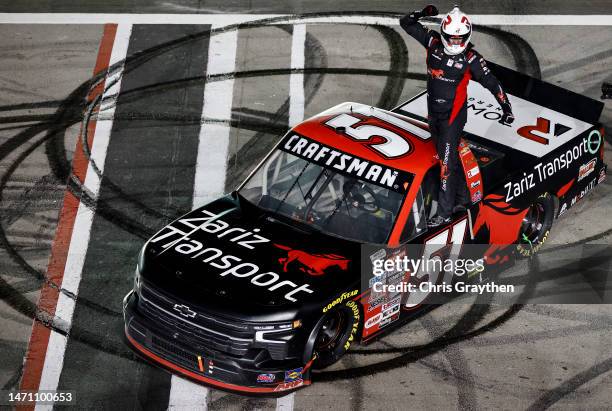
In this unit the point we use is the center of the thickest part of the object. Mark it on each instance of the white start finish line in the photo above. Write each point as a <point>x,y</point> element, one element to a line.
<point>228,19</point>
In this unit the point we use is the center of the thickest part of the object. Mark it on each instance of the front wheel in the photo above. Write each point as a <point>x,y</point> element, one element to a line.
<point>536,225</point>
<point>336,332</point>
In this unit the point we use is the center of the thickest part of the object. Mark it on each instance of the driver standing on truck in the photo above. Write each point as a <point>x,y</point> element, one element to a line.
<point>451,63</point>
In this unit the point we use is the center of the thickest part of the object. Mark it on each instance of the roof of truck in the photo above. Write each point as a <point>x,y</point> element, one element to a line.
<point>373,134</point>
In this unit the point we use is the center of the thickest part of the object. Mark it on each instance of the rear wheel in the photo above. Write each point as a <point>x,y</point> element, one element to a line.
<point>336,332</point>
<point>536,225</point>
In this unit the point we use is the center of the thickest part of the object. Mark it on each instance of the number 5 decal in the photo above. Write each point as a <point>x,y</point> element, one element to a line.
<point>393,146</point>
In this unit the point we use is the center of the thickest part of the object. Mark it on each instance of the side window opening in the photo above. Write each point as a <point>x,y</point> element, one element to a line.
<point>424,207</point>
<point>430,188</point>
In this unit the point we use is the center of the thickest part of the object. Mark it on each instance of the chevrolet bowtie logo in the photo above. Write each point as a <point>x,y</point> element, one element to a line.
<point>184,310</point>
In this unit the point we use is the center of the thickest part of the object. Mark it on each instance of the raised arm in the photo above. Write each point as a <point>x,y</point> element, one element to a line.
<point>410,23</point>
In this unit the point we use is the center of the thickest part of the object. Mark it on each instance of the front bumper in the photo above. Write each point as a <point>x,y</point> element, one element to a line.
<point>180,353</point>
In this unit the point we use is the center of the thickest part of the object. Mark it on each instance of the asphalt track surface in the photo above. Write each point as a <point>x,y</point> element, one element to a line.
<point>161,137</point>
<point>271,6</point>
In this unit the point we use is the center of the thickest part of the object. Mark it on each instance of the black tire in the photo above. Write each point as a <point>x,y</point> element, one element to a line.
<point>335,333</point>
<point>536,225</point>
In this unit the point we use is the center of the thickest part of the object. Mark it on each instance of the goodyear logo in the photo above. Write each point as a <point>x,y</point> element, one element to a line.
<point>340,299</point>
<point>355,308</point>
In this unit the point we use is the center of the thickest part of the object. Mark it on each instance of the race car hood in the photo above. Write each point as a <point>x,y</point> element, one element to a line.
<point>233,256</point>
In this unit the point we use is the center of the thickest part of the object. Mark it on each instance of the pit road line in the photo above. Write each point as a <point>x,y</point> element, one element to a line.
<point>71,243</point>
<point>42,339</point>
<point>82,225</point>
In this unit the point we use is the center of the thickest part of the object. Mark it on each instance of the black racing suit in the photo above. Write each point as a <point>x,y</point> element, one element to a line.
<point>447,80</point>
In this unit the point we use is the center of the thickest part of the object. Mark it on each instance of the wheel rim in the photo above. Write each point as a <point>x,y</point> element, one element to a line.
<point>533,222</point>
<point>330,332</point>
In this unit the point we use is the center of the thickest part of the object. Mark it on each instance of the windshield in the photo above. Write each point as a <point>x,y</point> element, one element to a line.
<point>330,201</point>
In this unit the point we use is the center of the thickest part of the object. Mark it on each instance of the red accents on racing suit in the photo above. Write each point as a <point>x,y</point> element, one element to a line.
<point>460,95</point>
<point>447,82</point>
<point>442,89</point>
<point>437,73</point>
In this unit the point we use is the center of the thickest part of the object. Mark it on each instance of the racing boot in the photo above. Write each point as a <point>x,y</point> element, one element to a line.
<point>459,208</point>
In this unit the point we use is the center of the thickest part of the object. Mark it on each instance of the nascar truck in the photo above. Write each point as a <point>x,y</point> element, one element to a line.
<point>253,291</point>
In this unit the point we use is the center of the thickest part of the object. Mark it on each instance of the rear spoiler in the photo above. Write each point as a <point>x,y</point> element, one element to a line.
<point>566,115</point>
<point>548,95</point>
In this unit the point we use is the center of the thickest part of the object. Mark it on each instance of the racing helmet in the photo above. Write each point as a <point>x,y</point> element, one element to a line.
<point>456,31</point>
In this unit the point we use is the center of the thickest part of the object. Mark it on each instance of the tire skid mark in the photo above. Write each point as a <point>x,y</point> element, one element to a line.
<point>534,336</point>
<point>569,386</point>
<point>74,185</point>
<point>30,106</point>
<point>68,113</point>
<point>566,314</point>
<point>4,242</point>
<point>314,53</point>
<point>357,387</point>
<point>570,269</point>
<point>589,239</point>
<point>415,353</point>
<point>398,68</point>
<point>135,93</point>
<point>524,56</point>
<point>26,307</point>
<point>15,256</point>
<point>464,379</point>
<point>14,380</point>
<point>459,368</point>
